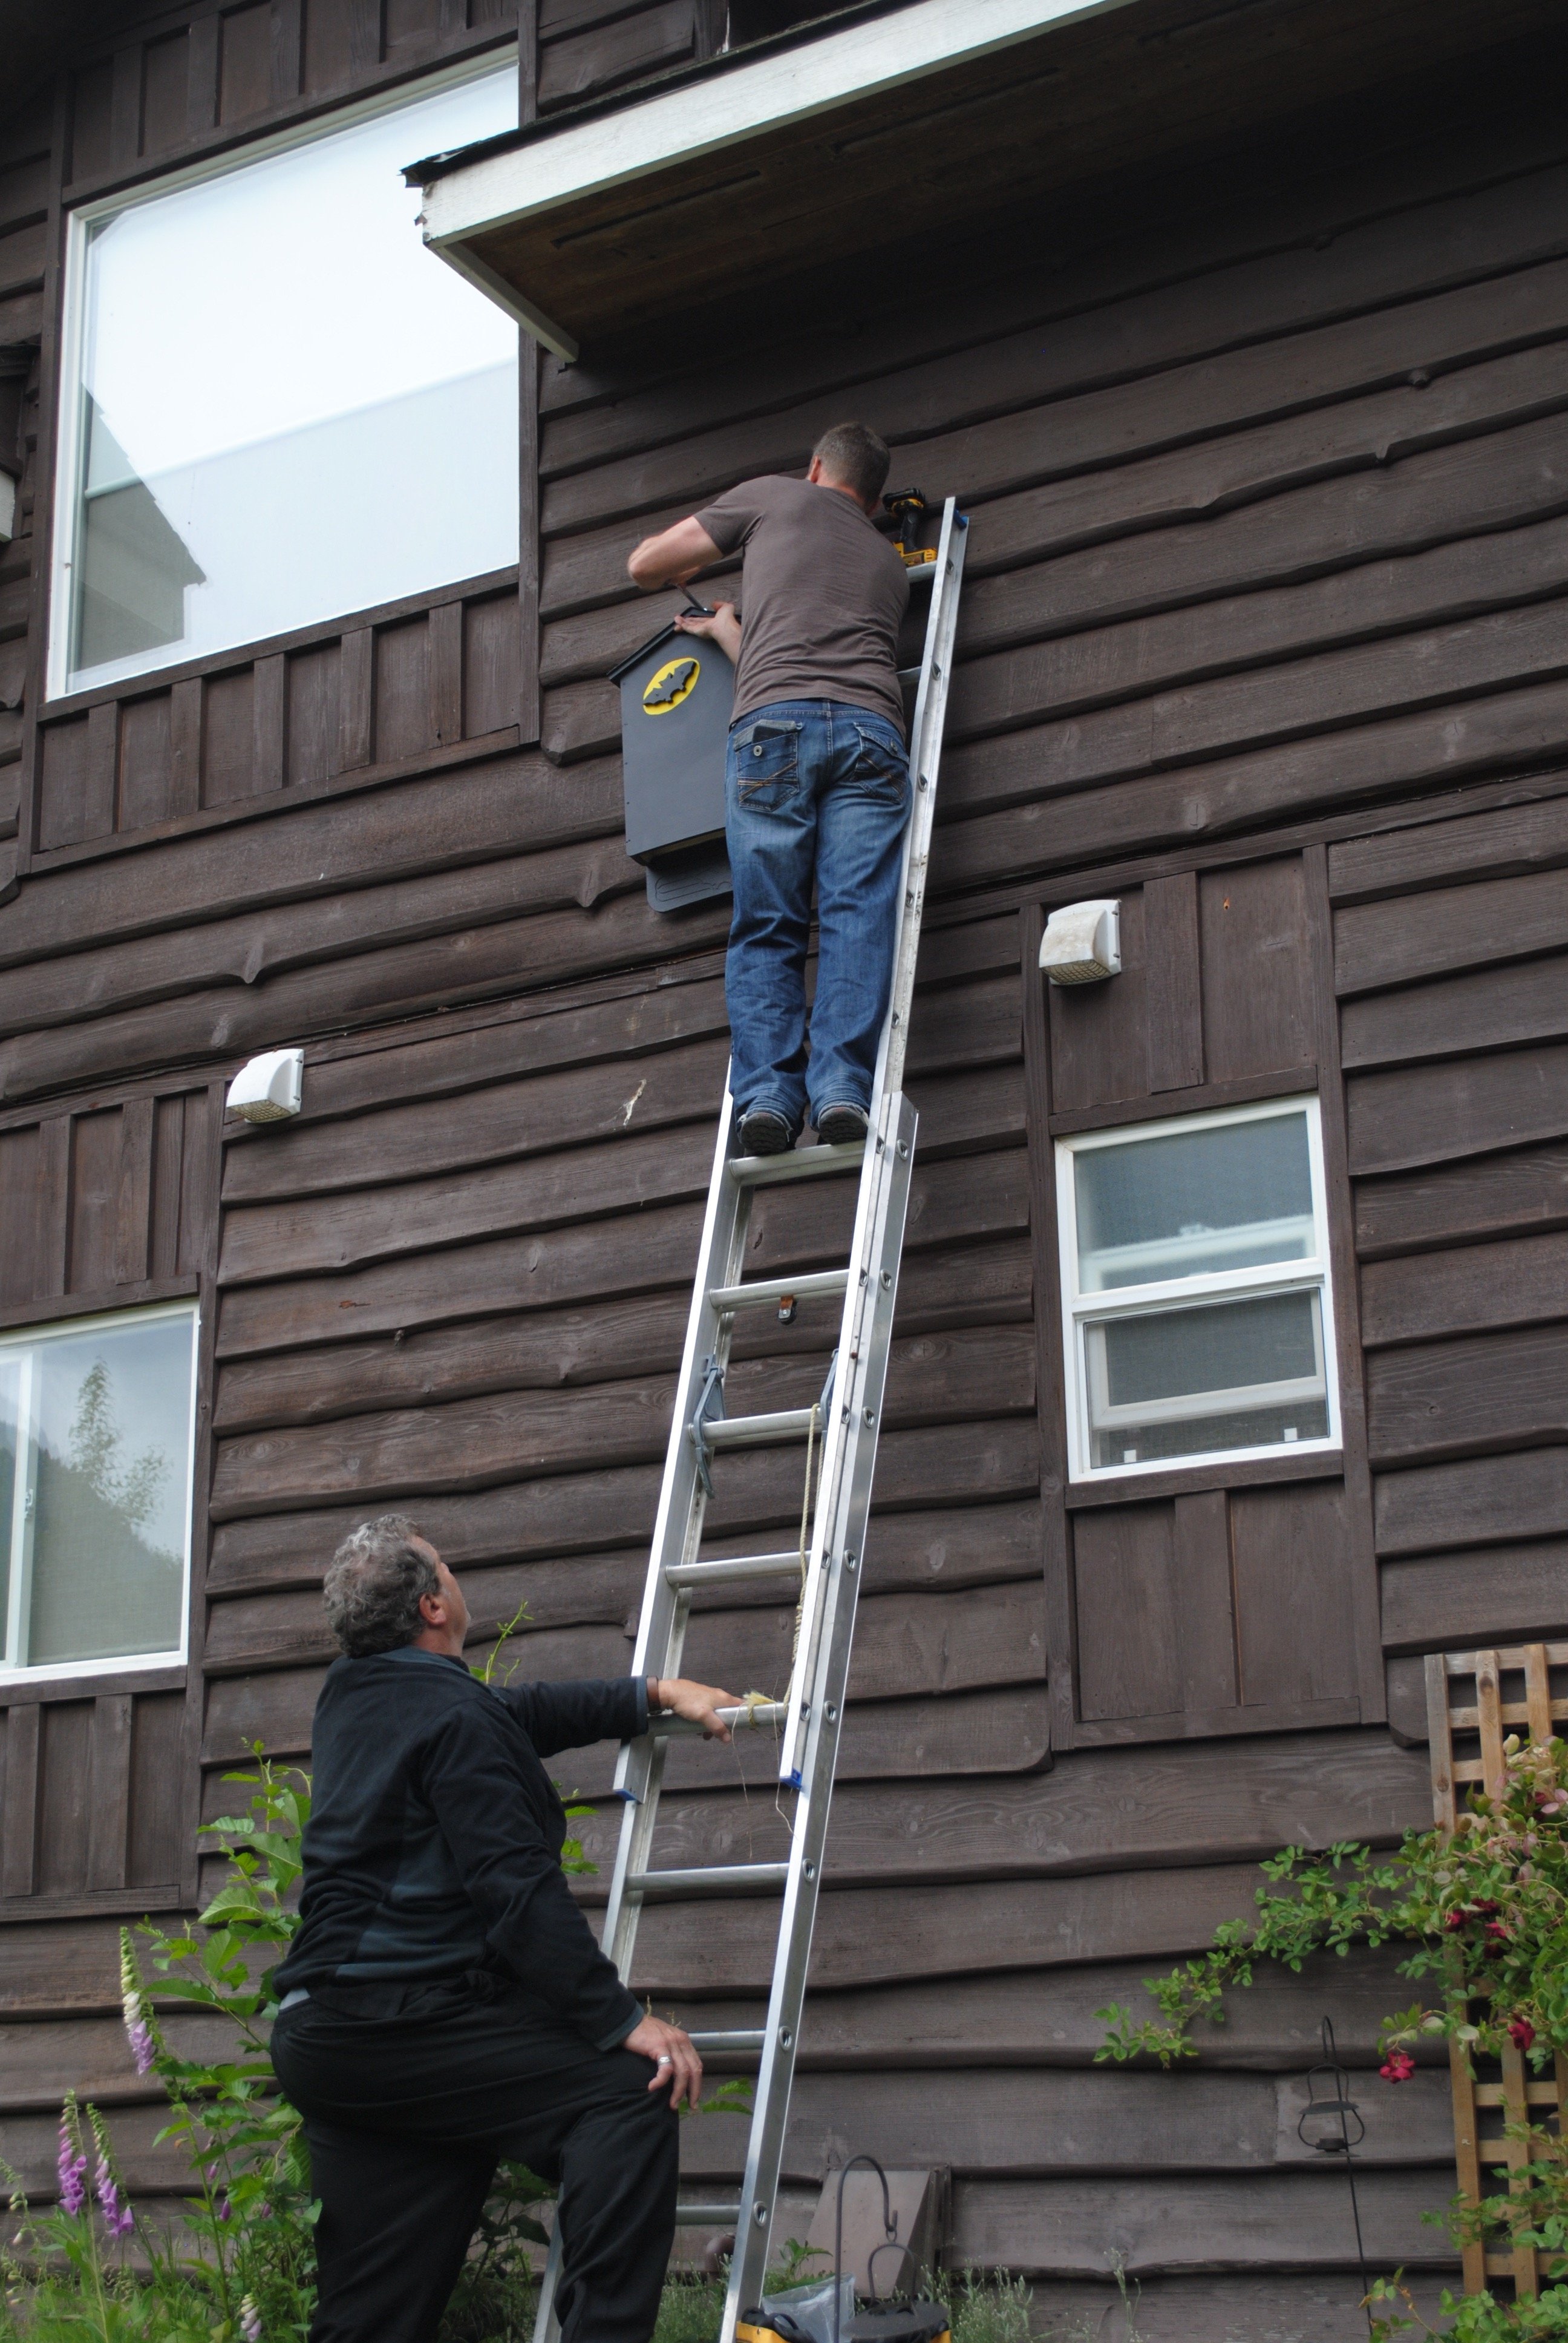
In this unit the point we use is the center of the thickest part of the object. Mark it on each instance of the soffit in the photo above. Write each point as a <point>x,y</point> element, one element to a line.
<point>887,124</point>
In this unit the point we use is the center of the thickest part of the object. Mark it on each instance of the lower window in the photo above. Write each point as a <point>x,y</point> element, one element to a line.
<point>1198,1321</point>
<point>96,1432</point>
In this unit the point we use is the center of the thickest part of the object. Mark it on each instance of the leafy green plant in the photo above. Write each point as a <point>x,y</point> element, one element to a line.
<point>1484,1908</point>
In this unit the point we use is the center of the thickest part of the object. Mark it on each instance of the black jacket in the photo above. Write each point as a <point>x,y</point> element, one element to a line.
<point>434,1844</point>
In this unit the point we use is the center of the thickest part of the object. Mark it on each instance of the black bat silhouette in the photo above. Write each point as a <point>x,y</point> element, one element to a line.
<point>672,686</point>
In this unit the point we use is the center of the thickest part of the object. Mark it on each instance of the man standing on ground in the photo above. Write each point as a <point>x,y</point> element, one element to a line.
<point>818,779</point>
<point>444,2004</point>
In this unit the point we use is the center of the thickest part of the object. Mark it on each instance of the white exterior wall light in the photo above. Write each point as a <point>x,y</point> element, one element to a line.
<point>267,1089</point>
<point>1082,942</point>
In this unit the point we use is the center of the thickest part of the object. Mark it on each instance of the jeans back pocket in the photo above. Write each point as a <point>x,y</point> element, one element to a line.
<point>765,755</point>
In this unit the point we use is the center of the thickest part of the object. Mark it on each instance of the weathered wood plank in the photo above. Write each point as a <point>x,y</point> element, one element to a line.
<point>1510,841</point>
<point>1484,1009</point>
<point>256,948</point>
<point>313,1236</point>
<point>967,1547</point>
<point>1480,1502</point>
<point>468,964</point>
<point>1502,1593</point>
<point>1299,2220</point>
<point>1290,779</point>
<point>1415,936</point>
<point>1097,526</point>
<point>1004,2121</point>
<point>1476,1392</point>
<point>1461,1202</point>
<point>510,1435</point>
<point>40,2062</point>
<point>1498,478</point>
<point>323,846</point>
<point>877,1935</point>
<point>1433,1114</point>
<point>1516,1282</point>
<point>986,1283</point>
<point>940,1466</point>
<point>1099,1809</point>
<point>1047,2017</point>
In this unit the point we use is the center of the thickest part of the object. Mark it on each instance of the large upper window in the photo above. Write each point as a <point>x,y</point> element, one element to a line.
<point>277,407</point>
<point>96,1421</point>
<point>1195,1282</point>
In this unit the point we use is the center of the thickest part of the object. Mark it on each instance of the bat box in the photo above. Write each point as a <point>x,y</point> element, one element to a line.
<point>676,697</point>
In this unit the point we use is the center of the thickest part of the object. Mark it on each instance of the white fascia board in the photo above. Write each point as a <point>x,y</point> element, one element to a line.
<point>722,109</point>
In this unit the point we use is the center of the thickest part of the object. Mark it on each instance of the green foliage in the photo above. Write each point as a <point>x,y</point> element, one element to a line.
<point>1484,1907</point>
<point>990,2309</point>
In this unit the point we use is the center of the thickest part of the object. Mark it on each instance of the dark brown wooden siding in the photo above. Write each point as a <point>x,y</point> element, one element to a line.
<point>1263,633</point>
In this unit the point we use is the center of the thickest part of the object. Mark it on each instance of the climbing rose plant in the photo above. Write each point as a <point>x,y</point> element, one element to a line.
<point>1484,1908</point>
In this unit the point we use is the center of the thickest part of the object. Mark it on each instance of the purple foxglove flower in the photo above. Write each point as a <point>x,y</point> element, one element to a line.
<point>144,2050</point>
<point>249,2321</point>
<point>118,2219</point>
<point>223,2210</point>
<point>71,2167</point>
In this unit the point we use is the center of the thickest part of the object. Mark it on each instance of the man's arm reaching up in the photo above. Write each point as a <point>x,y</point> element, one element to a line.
<point>674,558</point>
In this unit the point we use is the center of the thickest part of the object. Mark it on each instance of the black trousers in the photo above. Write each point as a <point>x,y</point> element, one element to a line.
<point>411,2096</point>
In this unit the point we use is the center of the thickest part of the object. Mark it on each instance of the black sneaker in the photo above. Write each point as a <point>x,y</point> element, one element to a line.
<point>842,1126</point>
<point>763,1133</point>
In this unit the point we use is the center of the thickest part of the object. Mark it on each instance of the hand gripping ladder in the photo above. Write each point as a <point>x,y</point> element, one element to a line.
<point>808,1721</point>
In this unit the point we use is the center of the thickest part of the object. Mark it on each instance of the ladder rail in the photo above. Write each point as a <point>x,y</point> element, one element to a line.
<point>809,1717</point>
<point>836,1624</point>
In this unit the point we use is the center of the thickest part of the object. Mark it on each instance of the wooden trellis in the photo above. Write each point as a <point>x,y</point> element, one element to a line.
<point>1475,1699</point>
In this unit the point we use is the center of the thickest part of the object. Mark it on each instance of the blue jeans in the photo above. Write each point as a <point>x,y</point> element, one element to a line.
<point>813,788</point>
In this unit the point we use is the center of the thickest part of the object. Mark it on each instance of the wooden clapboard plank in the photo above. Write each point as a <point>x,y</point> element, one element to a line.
<point>1299,2220</point>
<point>1501,1591</point>
<point>1480,1392</point>
<point>983,1283</point>
<point>1459,1202</point>
<point>1486,1009</point>
<point>406,829</point>
<point>1425,935</point>
<point>1475,1502</point>
<point>507,1435</point>
<point>1518,1281</point>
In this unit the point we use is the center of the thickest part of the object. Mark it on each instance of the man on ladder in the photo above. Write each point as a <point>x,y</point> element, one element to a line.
<point>818,779</point>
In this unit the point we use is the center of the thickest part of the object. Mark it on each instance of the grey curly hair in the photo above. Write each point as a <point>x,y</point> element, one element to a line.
<point>373,1585</point>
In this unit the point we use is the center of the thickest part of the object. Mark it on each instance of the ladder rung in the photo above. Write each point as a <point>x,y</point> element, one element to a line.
<point>728,1569</point>
<point>694,2215</point>
<point>774,1290</point>
<point>794,1163</point>
<point>756,1712</point>
<point>728,2041</point>
<point>757,1431</point>
<point>709,1874</point>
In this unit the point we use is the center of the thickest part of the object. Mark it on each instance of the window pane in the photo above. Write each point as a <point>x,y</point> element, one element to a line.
<point>102,1552</point>
<point>1193,1202</point>
<point>1229,1375</point>
<point>289,409</point>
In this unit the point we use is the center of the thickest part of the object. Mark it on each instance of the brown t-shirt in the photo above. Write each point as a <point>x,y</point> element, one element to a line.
<point>822,596</point>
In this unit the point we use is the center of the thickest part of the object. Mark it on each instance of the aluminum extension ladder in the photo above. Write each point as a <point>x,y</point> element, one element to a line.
<point>849,1414</point>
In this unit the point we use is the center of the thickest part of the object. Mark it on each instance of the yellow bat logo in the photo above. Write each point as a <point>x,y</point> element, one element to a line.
<point>675,681</point>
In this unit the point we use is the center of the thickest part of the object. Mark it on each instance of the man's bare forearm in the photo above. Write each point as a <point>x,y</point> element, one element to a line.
<point>672,557</point>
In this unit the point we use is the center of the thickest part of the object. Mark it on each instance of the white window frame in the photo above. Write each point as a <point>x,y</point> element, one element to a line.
<point>73,330</point>
<point>1081,1309</point>
<point>19,1588</point>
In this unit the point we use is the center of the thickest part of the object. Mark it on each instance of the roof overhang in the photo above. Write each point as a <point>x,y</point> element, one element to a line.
<point>888,125</point>
<point>560,228</point>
